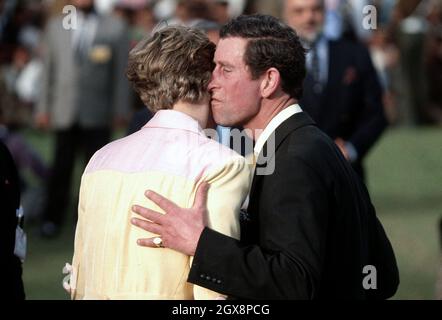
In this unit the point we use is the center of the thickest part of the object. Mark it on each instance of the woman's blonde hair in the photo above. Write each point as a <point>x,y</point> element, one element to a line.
<point>174,64</point>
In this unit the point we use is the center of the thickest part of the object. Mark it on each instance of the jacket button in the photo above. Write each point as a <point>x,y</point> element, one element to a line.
<point>202,275</point>
<point>214,280</point>
<point>208,278</point>
<point>218,281</point>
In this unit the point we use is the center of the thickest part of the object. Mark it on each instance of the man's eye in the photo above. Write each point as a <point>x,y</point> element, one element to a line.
<point>227,70</point>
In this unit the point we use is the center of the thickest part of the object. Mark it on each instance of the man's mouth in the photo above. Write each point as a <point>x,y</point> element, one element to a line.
<point>214,101</point>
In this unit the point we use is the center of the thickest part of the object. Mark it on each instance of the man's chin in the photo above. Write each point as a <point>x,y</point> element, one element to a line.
<point>215,114</point>
<point>310,37</point>
<point>220,121</point>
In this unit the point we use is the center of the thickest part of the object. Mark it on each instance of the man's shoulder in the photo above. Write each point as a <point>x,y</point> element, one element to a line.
<point>344,44</point>
<point>112,24</point>
<point>351,50</point>
<point>308,145</point>
<point>300,130</point>
<point>309,138</point>
<point>309,152</point>
<point>215,155</point>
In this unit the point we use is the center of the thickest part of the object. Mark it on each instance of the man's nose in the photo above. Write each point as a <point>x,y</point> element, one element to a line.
<point>212,83</point>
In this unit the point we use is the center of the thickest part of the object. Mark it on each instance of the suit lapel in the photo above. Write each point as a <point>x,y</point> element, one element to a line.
<point>293,123</point>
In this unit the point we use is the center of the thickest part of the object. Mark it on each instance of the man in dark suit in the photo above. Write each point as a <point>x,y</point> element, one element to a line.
<point>10,202</point>
<point>311,231</point>
<point>342,92</point>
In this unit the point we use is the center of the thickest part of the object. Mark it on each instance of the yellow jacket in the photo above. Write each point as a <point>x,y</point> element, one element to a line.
<point>172,156</point>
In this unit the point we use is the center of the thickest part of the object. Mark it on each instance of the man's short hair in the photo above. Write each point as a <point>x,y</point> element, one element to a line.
<point>271,43</point>
<point>174,64</point>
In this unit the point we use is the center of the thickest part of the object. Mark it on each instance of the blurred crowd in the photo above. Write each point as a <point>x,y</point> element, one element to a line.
<point>73,84</point>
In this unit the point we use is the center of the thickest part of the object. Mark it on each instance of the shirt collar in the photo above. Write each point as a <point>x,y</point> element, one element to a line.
<point>171,119</point>
<point>273,125</point>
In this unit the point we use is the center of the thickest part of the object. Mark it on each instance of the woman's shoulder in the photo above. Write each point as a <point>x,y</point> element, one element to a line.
<point>216,153</point>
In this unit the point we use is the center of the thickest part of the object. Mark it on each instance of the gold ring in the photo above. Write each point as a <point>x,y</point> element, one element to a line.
<point>158,242</point>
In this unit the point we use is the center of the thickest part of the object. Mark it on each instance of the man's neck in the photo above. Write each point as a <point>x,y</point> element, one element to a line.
<point>269,110</point>
<point>309,43</point>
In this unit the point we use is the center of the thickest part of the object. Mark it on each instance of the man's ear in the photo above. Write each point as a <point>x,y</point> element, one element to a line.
<point>271,82</point>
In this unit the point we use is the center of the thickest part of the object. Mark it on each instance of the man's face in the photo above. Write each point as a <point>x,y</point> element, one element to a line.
<point>235,96</point>
<point>305,16</point>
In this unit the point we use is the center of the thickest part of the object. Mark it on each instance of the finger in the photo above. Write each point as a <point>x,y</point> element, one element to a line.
<point>201,195</point>
<point>148,226</point>
<point>151,215</point>
<point>147,243</point>
<point>164,203</point>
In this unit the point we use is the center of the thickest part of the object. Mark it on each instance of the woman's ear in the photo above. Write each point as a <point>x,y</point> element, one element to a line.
<point>271,82</point>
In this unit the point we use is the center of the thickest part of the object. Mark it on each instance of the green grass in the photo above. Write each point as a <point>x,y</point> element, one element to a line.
<point>43,275</point>
<point>405,182</point>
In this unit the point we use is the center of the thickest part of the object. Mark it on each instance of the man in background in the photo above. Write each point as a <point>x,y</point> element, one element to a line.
<point>342,92</point>
<point>84,93</point>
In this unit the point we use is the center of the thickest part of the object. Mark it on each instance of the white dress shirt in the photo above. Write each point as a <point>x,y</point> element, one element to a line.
<point>273,125</point>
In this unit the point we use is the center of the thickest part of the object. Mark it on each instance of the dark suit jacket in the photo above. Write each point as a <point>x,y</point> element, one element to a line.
<point>10,202</point>
<point>309,232</point>
<point>350,106</point>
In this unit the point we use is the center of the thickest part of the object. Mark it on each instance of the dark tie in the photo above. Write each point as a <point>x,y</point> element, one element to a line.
<point>314,69</point>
